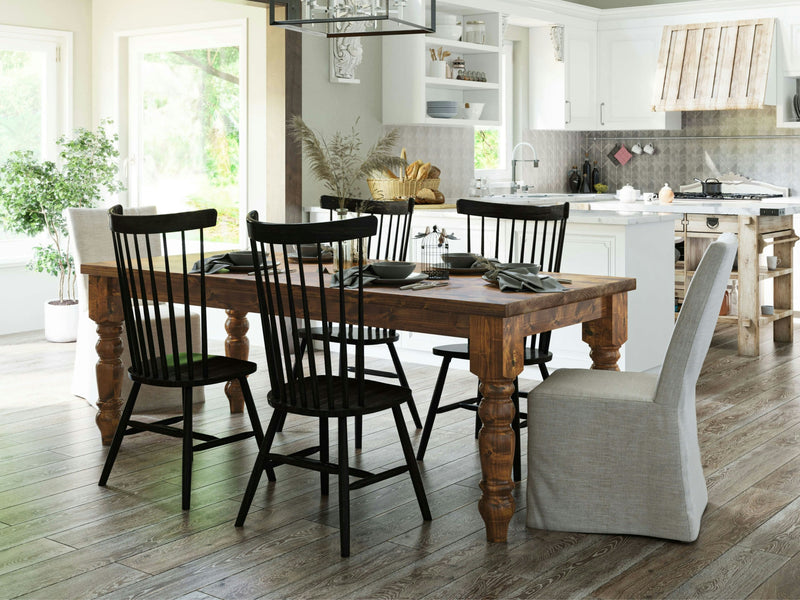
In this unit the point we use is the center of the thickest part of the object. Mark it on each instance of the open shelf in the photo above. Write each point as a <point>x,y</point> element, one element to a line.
<point>762,273</point>
<point>463,48</point>
<point>458,84</point>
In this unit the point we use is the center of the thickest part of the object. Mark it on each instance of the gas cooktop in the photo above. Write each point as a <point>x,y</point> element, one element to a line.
<point>723,196</point>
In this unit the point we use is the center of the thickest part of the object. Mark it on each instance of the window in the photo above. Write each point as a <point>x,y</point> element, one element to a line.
<point>34,107</point>
<point>186,123</point>
<point>493,144</point>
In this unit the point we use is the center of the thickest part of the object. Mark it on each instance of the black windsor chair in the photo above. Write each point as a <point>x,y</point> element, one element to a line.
<point>534,234</point>
<point>390,243</point>
<point>157,358</point>
<point>323,388</point>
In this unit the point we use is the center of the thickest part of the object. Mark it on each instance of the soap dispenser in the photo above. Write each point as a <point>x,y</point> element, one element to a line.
<point>666,195</point>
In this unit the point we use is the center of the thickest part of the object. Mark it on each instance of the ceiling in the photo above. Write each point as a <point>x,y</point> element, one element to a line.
<point>621,3</point>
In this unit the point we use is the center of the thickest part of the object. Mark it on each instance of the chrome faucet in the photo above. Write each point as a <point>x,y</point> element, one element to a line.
<point>514,161</point>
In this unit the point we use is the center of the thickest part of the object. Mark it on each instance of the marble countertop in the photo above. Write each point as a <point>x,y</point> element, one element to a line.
<point>703,207</point>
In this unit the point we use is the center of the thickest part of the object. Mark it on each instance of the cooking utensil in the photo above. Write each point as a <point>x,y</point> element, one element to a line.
<point>711,186</point>
<point>424,285</point>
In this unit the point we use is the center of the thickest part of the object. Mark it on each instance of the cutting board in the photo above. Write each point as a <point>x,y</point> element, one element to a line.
<point>433,206</point>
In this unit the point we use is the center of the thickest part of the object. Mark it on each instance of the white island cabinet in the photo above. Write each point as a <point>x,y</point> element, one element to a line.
<point>596,243</point>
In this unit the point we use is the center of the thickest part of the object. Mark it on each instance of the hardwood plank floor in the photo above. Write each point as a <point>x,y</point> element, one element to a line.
<point>62,536</point>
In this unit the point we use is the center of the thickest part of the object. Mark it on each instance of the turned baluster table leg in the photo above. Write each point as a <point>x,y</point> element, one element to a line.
<point>105,310</point>
<point>605,336</point>
<point>496,357</point>
<point>236,346</point>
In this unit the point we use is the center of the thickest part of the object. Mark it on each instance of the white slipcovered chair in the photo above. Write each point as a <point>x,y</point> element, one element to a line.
<point>90,237</point>
<point>612,452</point>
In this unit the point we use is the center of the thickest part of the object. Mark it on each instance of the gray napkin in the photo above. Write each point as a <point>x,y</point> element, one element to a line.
<point>351,277</point>
<point>221,263</point>
<point>518,277</point>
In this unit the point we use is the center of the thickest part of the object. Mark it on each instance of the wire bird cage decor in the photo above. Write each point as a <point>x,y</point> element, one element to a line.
<point>433,243</point>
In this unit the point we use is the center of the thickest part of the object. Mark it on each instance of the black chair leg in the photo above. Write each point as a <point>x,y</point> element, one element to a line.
<point>119,433</point>
<point>344,490</point>
<point>435,400</point>
<point>543,370</point>
<point>517,471</point>
<point>478,422</point>
<point>255,422</point>
<point>359,431</point>
<point>401,376</point>
<point>262,461</point>
<point>188,451</point>
<point>413,468</point>
<point>324,455</point>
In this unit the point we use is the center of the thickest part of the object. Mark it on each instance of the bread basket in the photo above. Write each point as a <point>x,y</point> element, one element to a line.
<point>392,189</point>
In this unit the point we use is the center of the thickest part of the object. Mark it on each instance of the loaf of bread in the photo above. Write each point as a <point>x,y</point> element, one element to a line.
<point>428,196</point>
<point>434,172</point>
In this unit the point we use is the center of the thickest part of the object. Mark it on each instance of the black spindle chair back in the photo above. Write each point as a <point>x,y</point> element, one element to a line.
<point>394,224</point>
<point>288,298</point>
<point>155,352</point>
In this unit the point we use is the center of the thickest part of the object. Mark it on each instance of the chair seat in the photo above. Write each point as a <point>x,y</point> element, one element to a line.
<point>372,335</point>
<point>533,356</point>
<point>220,369</point>
<point>378,396</point>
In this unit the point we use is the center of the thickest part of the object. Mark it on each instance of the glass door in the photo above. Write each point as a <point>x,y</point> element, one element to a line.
<point>187,124</point>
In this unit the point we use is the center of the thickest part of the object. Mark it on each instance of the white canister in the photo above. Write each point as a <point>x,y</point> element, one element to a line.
<point>475,32</point>
<point>627,193</point>
<point>438,68</point>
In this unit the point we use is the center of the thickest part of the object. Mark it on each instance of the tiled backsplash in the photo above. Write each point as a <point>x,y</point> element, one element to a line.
<point>449,148</point>
<point>678,159</point>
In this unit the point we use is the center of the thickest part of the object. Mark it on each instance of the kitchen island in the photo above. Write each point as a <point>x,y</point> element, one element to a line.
<point>596,243</point>
<point>758,225</point>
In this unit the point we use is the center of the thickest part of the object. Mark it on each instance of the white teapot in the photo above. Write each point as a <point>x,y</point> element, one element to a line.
<point>627,193</point>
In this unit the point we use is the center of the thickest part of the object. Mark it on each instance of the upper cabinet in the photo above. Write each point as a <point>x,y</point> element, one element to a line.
<point>562,85</point>
<point>627,61</point>
<point>714,66</point>
<point>410,80</point>
<point>604,82</point>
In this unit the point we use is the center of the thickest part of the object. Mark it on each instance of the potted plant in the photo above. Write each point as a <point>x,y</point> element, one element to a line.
<point>337,163</point>
<point>33,196</point>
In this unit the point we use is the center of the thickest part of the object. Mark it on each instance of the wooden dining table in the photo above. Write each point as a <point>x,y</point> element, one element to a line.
<point>496,324</point>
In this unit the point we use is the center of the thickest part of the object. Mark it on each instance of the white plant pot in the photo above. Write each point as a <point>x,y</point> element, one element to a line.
<point>60,321</point>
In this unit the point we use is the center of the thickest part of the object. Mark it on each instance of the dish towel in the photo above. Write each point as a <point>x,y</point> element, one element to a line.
<point>351,278</point>
<point>522,278</point>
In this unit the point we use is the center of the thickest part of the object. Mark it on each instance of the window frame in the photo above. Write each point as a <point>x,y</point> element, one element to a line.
<point>16,251</point>
<point>506,117</point>
<point>165,39</point>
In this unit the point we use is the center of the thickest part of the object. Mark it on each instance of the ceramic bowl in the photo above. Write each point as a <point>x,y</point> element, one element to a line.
<point>393,269</point>
<point>459,260</point>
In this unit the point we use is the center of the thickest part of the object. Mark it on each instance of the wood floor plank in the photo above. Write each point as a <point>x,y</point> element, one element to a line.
<point>134,541</point>
<point>781,585</point>
<point>734,574</point>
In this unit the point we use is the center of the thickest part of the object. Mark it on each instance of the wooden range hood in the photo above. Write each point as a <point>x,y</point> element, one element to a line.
<point>714,66</point>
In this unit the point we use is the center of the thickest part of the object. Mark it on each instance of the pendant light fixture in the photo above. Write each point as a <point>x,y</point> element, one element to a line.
<point>351,18</point>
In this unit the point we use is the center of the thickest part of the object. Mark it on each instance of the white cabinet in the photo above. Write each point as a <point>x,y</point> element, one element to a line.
<point>407,87</point>
<point>788,75</point>
<point>627,59</point>
<point>562,93</point>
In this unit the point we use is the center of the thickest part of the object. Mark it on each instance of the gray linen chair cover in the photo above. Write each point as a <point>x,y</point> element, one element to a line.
<point>612,452</point>
<point>91,242</point>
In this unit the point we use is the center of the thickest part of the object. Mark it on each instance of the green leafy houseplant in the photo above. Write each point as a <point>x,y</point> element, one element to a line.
<point>337,163</point>
<point>34,194</point>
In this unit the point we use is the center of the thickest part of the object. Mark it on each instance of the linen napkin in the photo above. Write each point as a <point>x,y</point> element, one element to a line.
<point>351,277</point>
<point>518,277</point>
<point>222,263</point>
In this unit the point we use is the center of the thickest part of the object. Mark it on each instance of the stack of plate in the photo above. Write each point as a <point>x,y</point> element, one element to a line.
<point>796,103</point>
<point>443,109</point>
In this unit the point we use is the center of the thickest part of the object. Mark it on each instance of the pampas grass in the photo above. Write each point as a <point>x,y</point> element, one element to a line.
<point>337,163</point>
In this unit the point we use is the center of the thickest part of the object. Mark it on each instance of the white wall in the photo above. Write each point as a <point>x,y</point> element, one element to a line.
<point>330,107</point>
<point>26,291</point>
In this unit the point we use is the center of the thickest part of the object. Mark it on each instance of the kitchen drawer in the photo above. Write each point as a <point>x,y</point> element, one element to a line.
<point>712,223</point>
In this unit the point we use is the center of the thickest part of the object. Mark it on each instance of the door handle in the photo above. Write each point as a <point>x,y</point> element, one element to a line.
<point>569,112</point>
<point>602,122</point>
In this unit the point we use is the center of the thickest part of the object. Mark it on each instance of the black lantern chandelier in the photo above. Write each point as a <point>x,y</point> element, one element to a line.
<point>349,18</point>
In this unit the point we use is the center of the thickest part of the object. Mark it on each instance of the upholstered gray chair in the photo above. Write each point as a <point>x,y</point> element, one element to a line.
<point>91,242</point>
<point>612,452</point>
